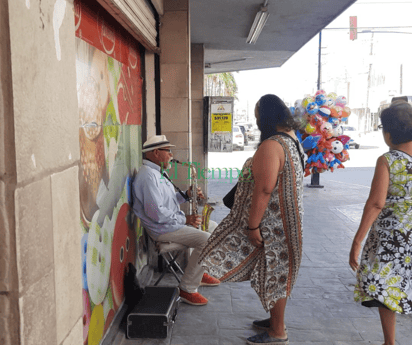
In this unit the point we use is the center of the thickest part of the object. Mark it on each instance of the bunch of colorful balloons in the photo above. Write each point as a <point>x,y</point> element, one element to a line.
<point>321,133</point>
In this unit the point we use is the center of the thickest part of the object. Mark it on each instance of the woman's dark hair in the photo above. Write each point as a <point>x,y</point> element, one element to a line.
<point>273,113</point>
<point>397,121</point>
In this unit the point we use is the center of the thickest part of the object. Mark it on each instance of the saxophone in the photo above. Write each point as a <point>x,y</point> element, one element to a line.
<point>194,202</point>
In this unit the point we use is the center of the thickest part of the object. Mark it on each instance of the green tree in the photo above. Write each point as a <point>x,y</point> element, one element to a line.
<point>220,84</point>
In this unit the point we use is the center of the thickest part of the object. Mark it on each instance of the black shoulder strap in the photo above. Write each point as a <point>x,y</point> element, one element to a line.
<point>302,162</point>
<point>176,187</point>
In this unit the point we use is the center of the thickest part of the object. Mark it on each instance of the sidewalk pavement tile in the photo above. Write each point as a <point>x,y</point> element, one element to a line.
<point>321,309</point>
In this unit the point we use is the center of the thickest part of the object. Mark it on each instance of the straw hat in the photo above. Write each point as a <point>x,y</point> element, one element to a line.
<point>156,142</point>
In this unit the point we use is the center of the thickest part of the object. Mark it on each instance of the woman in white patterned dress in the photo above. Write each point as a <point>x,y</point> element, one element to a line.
<point>384,277</point>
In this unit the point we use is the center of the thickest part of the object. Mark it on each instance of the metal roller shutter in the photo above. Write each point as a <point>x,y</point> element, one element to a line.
<point>136,17</point>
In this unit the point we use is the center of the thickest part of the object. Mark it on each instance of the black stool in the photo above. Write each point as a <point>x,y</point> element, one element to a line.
<point>165,249</point>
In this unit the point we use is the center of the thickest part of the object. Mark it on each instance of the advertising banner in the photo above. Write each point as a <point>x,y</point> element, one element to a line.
<point>221,125</point>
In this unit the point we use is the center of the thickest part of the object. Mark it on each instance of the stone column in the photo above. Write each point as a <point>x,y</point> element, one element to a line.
<point>40,258</point>
<point>9,295</point>
<point>150,94</point>
<point>175,91</point>
<point>197,75</point>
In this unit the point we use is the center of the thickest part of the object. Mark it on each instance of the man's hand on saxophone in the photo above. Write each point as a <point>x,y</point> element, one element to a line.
<point>200,194</point>
<point>194,220</point>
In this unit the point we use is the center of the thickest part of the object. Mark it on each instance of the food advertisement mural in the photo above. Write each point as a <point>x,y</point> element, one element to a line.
<point>109,89</point>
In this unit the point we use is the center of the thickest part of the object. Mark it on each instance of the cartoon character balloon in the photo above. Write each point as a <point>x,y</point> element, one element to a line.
<point>321,133</point>
<point>332,95</point>
<point>320,99</point>
<point>341,101</point>
<point>337,147</point>
<point>316,120</point>
<point>326,129</point>
<point>312,108</point>
<point>324,111</point>
<point>330,102</point>
<point>334,121</point>
<point>306,101</point>
<point>309,129</point>
<point>337,131</point>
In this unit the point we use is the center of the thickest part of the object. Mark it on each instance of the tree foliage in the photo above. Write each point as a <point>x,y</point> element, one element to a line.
<point>220,84</point>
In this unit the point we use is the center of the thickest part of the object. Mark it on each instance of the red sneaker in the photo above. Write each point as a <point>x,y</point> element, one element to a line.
<point>193,298</point>
<point>208,280</point>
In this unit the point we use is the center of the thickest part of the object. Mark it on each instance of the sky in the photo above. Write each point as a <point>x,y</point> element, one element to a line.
<point>345,63</point>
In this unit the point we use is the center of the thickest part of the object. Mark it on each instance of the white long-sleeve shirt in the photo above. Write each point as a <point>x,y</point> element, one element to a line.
<point>155,201</point>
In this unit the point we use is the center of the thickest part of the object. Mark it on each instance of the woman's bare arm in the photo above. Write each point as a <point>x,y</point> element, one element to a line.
<point>373,207</point>
<point>267,163</point>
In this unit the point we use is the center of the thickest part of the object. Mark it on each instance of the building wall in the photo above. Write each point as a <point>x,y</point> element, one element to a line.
<point>175,88</point>
<point>44,216</point>
<point>197,76</point>
<point>39,176</point>
<point>9,295</point>
<point>150,94</point>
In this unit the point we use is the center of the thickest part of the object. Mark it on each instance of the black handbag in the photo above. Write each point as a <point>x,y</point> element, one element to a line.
<point>229,198</point>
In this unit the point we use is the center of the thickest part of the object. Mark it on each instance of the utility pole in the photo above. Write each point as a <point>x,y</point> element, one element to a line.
<point>315,177</point>
<point>368,115</point>
<point>400,89</point>
<point>319,60</point>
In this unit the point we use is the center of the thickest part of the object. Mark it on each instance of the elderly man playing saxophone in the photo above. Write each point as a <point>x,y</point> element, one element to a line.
<point>157,204</point>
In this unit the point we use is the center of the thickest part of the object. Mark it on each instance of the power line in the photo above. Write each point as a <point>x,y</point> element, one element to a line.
<point>387,2</point>
<point>385,32</point>
<point>371,27</point>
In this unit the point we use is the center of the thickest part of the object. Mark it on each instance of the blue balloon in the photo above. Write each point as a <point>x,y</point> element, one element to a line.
<point>312,108</point>
<point>320,100</point>
<point>334,121</point>
<point>292,110</point>
<point>335,161</point>
<point>299,135</point>
<point>310,142</point>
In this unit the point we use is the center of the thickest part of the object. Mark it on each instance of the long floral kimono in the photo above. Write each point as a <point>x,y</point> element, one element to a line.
<point>273,269</point>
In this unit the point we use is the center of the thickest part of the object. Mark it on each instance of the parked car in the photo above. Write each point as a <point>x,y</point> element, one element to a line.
<point>238,138</point>
<point>354,135</point>
<point>244,132</point>
<point>254,134</point>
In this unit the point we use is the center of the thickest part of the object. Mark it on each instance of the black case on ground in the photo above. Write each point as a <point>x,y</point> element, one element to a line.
<point>154,315</point>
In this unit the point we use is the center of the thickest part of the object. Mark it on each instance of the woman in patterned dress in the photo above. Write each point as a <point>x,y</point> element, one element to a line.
<point>384,277</point>
<point>261,239</point>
